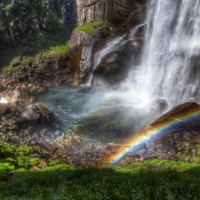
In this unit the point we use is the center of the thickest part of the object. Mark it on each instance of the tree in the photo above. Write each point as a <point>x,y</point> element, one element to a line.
<point>21,18</point>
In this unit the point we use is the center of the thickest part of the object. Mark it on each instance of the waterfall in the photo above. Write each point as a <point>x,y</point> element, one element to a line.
<point>170,68</point>
<point>115,43</point>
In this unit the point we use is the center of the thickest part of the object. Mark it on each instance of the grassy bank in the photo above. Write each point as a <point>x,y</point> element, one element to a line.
<point>64,182</point>
<point>24,176</point>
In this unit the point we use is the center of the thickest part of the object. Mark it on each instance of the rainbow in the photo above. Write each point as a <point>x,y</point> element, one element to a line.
<point>162,125</point>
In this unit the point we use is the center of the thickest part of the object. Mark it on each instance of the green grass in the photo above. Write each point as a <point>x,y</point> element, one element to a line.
<point>91,27</point>
<point>61,49</point>
<point>40,47</point>
<point>64,182</point>
<point>60,181</point>
<point>176,165</point>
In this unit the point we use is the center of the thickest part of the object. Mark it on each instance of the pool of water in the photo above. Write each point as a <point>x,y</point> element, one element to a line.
<point>104,115</point>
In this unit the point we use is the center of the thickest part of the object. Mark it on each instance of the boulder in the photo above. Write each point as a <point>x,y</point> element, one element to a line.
<point>27,124</point>
<point>21,93</point>
<point>80,58</point>
<point>182,113</point>
<point>114,66</point>
<point>38,113</point>
<point>78,38</point>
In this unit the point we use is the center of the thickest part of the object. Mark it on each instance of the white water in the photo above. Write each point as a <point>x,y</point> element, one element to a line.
<point>111,45</point>
<point>172,40</point>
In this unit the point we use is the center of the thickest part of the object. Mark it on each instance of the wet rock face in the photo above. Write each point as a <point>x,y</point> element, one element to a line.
<point>38,113</point>
<point>82,52</point>
<point>114,68</point>
<point>26,124</point>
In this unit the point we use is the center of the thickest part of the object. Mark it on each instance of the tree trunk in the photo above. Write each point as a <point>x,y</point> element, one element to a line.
<point>12,36</point>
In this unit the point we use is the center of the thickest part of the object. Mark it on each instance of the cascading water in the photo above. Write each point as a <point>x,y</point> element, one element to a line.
<point>111,45</point>
<point>115,43</point>
<point>170,68</point>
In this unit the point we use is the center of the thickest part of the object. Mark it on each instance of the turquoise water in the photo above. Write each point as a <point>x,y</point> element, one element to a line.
<point>103,115</point>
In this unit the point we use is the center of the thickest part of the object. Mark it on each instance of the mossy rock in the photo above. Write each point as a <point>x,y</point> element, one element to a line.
<point>91,27</point>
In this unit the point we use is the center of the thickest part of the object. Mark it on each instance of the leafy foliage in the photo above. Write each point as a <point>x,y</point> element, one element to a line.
<point>20,19</point>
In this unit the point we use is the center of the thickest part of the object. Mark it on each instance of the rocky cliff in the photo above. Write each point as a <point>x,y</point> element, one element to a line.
<point>82,11</point>
<point>115,11</point>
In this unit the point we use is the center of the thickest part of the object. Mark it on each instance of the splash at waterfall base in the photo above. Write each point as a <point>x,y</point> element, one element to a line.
<point>102,139</point>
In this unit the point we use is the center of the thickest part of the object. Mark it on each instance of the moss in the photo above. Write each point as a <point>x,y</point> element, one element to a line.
<point>178,165</point>
<point>91,27</point>
<point>17,69</point>
<point>13,158</point>
<point>61,49</point>
<point>20,158</point>
<point>6,166</point>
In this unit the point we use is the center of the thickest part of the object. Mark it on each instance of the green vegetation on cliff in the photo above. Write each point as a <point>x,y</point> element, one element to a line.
<point>91,27</point>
